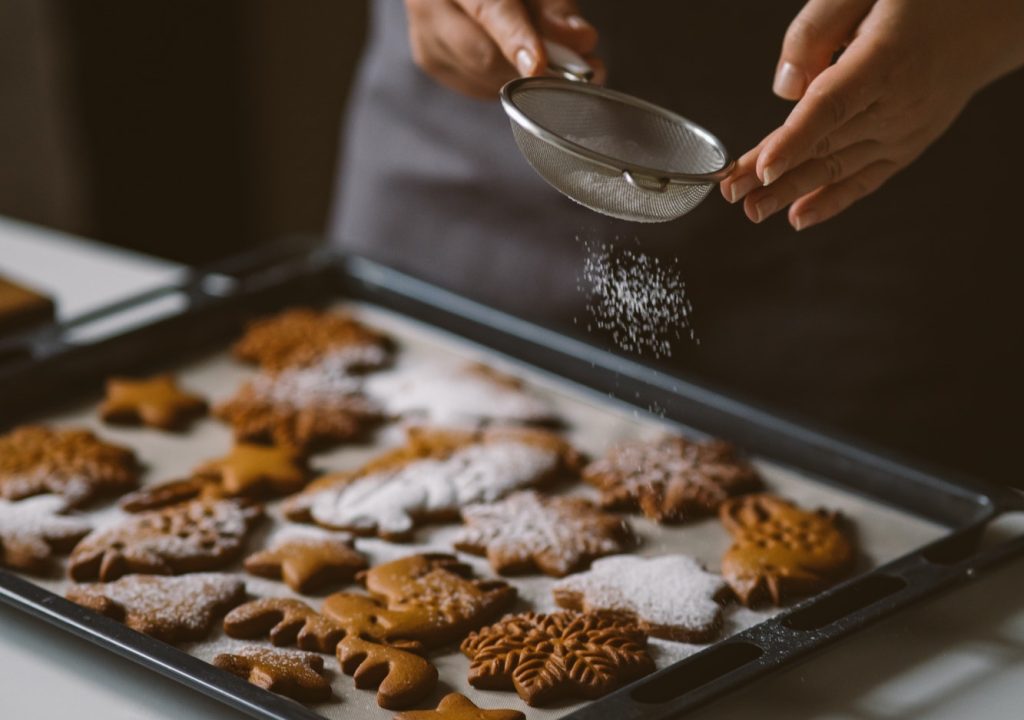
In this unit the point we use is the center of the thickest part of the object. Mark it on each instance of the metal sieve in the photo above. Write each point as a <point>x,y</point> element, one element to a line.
<point>609,151</point>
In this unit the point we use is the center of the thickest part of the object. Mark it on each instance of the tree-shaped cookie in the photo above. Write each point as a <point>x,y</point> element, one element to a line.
<point>74,464</point>
<point>431,477</point>
<point>559,655</point>
<point>308,563</point>
<point>673,479</point>
<point>456,706</point>
<point>670,596</point>
<point>298,675</point>
<point>780,550</point>
<point>257,471</point>
<point>157,402</point>
<point>172,609</point>
<point>190,537</point>
<point>527,532</point>
<point>32,530</point>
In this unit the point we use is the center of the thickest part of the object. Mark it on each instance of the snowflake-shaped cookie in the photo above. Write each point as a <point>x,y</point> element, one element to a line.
<point>32,530</point>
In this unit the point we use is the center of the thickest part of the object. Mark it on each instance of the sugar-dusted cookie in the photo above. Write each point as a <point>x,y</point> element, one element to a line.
<point>285,621</point>
<point>156,401</point>
<point>32,530</point>
<point>673,479</point>
<point>172,492</point>
<point>455,706</point>
<point>445,395</point>
<point>671,596</point>
<point>74,464</point>
<point>172,609</point>
<point>401,677</point>
<point>257,471</point>
<point>307,407</point>
<point>526,532</point>
<point>308,563</point>
<point>431,477</point>
<point>303,336</point>
<point>780,550</point>
<point>548,657</point>
<point>191,537</point>
<point>298,675</point>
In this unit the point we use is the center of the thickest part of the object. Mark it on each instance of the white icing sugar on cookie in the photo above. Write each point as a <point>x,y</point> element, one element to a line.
<point>328,381</point>
<point>388,502</point>
<point>29,527</point>
<point>455,396</point>
<point>671,591</point>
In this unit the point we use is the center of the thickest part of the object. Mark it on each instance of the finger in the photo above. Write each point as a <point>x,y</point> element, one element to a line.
<point>811,175</point>
<point>598,67</point>
<point>838,94</point>
<point>509,25</point>
<point>561,21</point>
<point>743,177</point>
<point>814,36</point>
<point>829,201</point>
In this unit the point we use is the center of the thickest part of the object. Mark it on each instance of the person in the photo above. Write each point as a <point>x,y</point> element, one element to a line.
<point>889,321</point>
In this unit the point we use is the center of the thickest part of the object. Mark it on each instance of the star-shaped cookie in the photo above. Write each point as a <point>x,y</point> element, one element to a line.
<point>455,706</point>
<point>558,655</point>
<point>309,563</point>
<point>527,532</point>
<point>257,471</point>
<point>298,675</point>
<point>156,401</point>
<point>32,530</point>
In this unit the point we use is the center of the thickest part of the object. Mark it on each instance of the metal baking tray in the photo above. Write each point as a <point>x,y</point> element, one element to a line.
<point>921,532</point>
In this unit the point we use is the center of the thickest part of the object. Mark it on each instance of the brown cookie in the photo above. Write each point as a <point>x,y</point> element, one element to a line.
<point>74,464</point>
<point>257,471</point>
<point>286,622</point>
<point>157,402</point>
<point>527,532</point>
<point>431,477</point>
<point>560,655</point>
<point>401,678</point>
<point>298,675</point>
<point>670,596</point>
<point>22,308</point>
<point>191,537</point>
<point>307,564</point>
<point>172,609</point>
<point>32,530</point>
<point>673,479</point>
<point>781,551</point>
<point>455,706</point>
<point>303,336</point>
<point>173,492</point>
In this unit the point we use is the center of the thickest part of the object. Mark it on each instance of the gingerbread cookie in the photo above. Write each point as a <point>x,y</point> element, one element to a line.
<point>308,407</point>
<point>443,395</point>
<point>74,464</point>
<point>307,564</point>
<point>286,622</point>
<point>32,530</point>
<point>431,477</point>
<point>157,402</point>
<point>172,609</point>
<point>401,678</point>
<point>257,471</point>
<point>780,550</point>
<point>303,336</point>
<point>670,596</point>
<point>545,658</point>
<point>190,537</point>
<point>673,479</point>
<point>173,492</point>
<point>527,532</point>
<point>298,675</point>
<point>455,706</point>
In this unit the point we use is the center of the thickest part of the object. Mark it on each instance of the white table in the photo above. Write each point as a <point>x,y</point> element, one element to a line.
<point>957,656</point>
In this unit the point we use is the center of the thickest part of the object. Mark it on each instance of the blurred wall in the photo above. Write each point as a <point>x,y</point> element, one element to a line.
<point>185,128</point>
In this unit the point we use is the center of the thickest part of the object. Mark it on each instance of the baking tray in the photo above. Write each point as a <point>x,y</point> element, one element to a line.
<point>922,532</point>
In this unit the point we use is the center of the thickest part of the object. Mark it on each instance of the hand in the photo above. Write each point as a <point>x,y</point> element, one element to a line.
<point>908,69</point>
<point>476,46</point>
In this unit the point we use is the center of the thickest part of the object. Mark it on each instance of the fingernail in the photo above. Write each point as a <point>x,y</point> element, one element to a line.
<point>743,186</point>
<point>577,22</point>
<point>525,61</point>
<point>805,220</point>
<point>790,81</point>
<point>774,171</point>
<point>765,208</point>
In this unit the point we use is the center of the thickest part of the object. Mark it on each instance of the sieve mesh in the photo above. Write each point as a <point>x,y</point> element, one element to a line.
<point>675,161</point>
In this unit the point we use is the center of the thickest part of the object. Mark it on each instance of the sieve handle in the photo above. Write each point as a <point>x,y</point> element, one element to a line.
<point>567,63</point>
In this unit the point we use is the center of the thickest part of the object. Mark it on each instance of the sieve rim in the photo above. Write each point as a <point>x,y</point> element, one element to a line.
<point>619,166</point>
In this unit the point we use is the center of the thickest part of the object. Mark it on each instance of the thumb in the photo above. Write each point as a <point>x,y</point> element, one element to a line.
<point>814,36</point>
<point>561,21</point>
